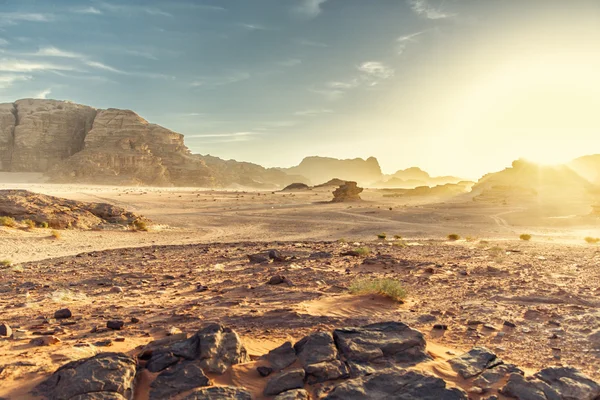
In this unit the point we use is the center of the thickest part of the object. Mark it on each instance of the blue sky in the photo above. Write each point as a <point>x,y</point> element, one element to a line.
<point>272,81</point>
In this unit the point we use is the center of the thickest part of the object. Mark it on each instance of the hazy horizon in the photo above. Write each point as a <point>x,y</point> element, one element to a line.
<point>454,87</point>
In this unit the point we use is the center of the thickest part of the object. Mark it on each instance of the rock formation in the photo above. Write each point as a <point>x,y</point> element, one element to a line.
<point>79,144</point>
<point>322,169</point>
<point>61,213</point>
<point>347,192</point>
<point>372,362</point>
<point>295,186</point>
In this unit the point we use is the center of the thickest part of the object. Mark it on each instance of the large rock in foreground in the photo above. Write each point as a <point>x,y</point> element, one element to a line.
<point>104,376</point>
<point>347,192</point>
<point>61,213</point>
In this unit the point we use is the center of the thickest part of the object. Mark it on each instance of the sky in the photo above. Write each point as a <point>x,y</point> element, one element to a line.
<point>456,87</point>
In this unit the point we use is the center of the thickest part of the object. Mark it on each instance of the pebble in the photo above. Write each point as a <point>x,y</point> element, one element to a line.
<point>510,324</point>
<point>115,324</point>
<point>116,289</point>
<point>5,330</point>
<point>63,313</point>
<point>45,341</point>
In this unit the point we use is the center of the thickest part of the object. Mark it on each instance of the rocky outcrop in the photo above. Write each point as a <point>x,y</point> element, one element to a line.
<point>322,169</point>
<point>124,148</point>
<point>36,135</point>
<point>377,362</point>
<point>347,192</point>
<point>62,213</point>
<point>295,186</point>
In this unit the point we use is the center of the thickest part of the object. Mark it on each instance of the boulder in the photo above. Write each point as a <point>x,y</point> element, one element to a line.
<point>109,375</point>
<point>282,357</point>
<point>347,192</point>
<point>395,341</point>
<point>177,379</point>
<point>286,380</point>
<point>474,362</point>
<point>316,348</point>
<point>570,383</point>
<point>395,384</point>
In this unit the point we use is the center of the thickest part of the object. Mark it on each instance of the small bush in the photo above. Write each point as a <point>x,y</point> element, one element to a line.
<point>398,237</point>
<point>383,286</point>
<point>453,237</point>
<point>382,236</point>
<point>139,225</point>
<point>8,221</point>
<point>29,224</point>
<point>363,251</point>
<point>470,238</point>
<point>6,263</point>
<point>44,225</point>
<point>592,240</point>
<point>526,237</point>
<point>55,234</point>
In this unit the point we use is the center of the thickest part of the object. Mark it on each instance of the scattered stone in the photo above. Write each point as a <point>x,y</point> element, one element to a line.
<point>489,327</point>
<point>102,376</point>
<point>275,255</point>
<point>219,348</point>
<point>219,393</point>
<point>115,324</point>
<point>296,394</point>
<point>474,362</point>
<point>5,330</point>
<point>134,320</point>
<point>45,341</point>
<point>396,384</point>
<point>257,258</point>
<point>264,371</point>
<point>326,371</point>
<point>277,280</point>
<point>425,318</point>
<point>173,331</point>
<point>440,327</point>
<point>510,324</point>
<point>180,378</point>
<point>286,380</point>
<point>116,289</point>
<point>19,334</point>
<point>282,357</point>
<point>201,288</point>
<point>321,254</point>
<point>63,313</point>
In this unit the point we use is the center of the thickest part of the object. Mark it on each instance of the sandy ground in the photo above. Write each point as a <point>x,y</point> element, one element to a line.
<point>548,288</point>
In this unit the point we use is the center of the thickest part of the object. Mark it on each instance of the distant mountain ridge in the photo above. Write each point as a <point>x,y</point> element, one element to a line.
<point>322,169</point>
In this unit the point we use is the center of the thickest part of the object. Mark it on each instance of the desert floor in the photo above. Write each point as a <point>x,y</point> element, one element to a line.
<point>547,288</point>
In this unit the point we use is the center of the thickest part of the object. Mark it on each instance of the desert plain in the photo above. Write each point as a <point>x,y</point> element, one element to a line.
<point>533,303</point>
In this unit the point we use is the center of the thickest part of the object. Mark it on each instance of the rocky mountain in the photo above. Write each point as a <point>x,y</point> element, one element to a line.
<point>79,144</point>
<point>413,177</point>
<point>322,169</point>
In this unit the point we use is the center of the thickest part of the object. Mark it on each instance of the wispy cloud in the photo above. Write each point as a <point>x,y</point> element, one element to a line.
<point>329,94</point>
<point>99,65</point>
<point>376,69</point>
<point>223,137</point>
<point>312,113</point>
<point>13,18</point>
<point>87,10</point>
<point>309,8</point>
<point>16,65</point>
<point>424,9</point>
<point>221,80</point>
<point>8,80</point>
<point>54,52</point>
<point>130,9</point>
<point>290,62</point>
<point>338,85</point>
<point>404,41</point>
<point>156,11</point>
<point>3,42</point>
<point>254,27</point>
<point>43,94</point>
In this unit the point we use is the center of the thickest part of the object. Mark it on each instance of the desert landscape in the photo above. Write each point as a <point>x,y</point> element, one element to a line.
<point>299,200</point>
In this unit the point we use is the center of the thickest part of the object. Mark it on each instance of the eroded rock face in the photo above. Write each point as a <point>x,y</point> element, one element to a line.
<point>41,133</point>
<point>124,148</point>
<point>106,376</point>
<point>219,393</point>
<point>347,192</point>
<point>61,213</point>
